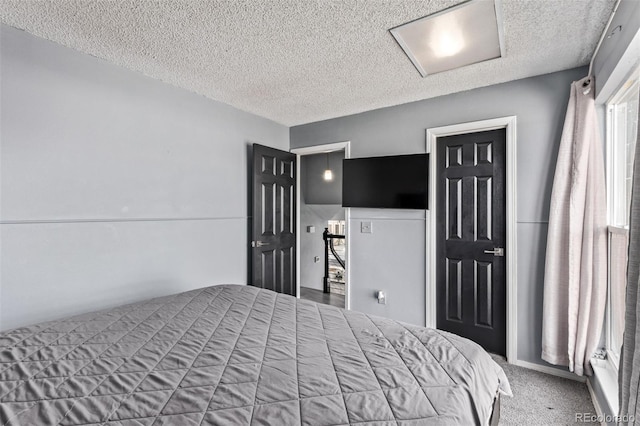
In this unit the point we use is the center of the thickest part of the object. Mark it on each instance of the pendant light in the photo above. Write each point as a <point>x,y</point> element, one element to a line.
<point>328,173</point>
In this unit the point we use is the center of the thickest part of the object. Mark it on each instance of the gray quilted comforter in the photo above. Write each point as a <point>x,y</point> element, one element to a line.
<point>240,355</point>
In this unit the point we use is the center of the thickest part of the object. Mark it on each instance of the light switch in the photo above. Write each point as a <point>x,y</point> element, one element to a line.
<point>366,227</point>
<point>382,297</point>
<point>311,229</point>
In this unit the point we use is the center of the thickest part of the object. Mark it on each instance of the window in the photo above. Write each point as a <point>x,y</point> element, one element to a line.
<point>337,227</point>
<point>622,127</point>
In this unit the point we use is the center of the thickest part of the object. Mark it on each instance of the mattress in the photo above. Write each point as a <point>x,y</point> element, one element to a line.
<point>230,354</point>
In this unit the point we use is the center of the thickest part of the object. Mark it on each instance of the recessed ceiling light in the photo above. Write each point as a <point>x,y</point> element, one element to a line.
<point>461,35</point>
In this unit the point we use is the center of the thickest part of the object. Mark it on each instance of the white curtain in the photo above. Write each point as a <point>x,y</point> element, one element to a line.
<point>575,280</point>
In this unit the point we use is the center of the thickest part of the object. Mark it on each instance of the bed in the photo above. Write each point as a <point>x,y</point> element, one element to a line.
<point>232,354</point>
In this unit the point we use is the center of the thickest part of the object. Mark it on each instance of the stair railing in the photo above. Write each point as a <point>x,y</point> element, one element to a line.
<point>328,246</point>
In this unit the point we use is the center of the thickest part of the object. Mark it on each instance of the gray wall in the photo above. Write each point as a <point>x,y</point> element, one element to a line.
<point>613,48</point>
<point>315,189</point>
<point>114,187</point>
<point>393,257</point>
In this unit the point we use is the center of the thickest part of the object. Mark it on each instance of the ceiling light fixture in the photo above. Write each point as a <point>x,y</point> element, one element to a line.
<point>447,38</point>
<point>462,35</point>
<point>328,173</point>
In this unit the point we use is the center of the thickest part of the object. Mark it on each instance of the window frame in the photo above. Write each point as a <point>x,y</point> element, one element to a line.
<point>630,83</point>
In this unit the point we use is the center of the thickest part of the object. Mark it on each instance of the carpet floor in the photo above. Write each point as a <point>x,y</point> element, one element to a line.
<point>542,399</point>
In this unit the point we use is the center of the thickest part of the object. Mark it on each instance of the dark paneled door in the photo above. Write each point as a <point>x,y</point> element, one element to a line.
<point>273,242</point>
<point>471,236</point>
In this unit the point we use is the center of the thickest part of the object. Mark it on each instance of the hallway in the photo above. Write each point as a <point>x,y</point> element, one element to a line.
<point>318,296</point>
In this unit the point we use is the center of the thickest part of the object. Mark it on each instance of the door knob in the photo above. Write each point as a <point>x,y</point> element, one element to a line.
<point>498,251</point>
<point>258,243</point>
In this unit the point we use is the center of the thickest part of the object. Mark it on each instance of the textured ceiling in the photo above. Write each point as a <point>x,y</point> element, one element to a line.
<point>298,61</point>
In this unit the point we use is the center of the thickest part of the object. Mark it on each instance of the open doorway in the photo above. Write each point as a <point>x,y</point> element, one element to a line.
<point>335,250</point>
<point>322,226</point>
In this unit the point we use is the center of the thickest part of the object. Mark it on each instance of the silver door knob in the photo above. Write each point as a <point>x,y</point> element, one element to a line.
<point>258,243</point>
<point>498,251</point>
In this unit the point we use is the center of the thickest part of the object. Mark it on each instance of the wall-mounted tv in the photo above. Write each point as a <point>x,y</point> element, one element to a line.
<point>394,182</point>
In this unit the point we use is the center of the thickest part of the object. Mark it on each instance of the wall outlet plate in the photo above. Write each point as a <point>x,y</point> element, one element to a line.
<point>366,227</point>
<point>311,229</point>
<point>382,297</point>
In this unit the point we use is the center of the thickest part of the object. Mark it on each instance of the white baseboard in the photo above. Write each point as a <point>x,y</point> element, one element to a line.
<point>595,402</point>
<point>550,370</point>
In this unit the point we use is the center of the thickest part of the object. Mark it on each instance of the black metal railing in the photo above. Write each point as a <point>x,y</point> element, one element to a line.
<point>328,246</point>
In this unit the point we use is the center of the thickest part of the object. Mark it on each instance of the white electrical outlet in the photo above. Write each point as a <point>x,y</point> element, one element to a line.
<point>382,297</point>
<point>366,227</point>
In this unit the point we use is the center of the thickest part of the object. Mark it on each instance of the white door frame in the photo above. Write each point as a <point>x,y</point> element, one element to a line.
<point>508,123</point>
<point>319,149</point>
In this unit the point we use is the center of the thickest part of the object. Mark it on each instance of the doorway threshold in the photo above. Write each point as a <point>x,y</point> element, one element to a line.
<point>319,296</point>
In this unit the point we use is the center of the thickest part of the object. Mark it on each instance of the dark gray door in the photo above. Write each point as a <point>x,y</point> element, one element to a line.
<point>471,236</point>
<point>273,239</point>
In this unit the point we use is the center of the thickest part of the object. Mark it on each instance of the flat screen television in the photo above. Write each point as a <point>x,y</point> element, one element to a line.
<point>394,182</point>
